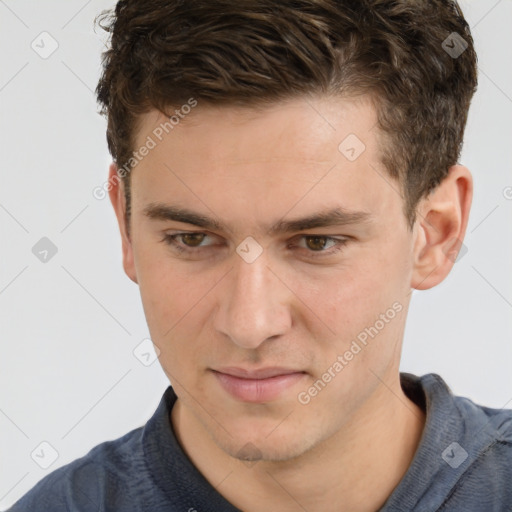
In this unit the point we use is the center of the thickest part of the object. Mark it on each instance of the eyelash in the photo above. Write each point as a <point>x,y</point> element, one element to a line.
<point>183,249</point>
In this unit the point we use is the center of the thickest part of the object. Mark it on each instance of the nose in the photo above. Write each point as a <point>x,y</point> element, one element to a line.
<point>254,304</point>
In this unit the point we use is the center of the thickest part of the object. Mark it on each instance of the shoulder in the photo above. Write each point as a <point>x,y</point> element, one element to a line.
<point>494,428</point>
<point>102,476</point>
<point>464,460</point>
<point>485,429</point>
<point>483,448</point>
<point>485,480</point>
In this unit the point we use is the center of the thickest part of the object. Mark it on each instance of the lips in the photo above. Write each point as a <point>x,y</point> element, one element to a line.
<point>261,385</point>
<point>262,373</point>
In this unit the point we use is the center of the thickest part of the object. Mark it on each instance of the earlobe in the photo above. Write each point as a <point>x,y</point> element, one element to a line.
<point>440,228</point>
<point>117,198</point>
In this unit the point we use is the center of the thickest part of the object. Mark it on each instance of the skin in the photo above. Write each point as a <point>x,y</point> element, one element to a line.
<point>347,448</point>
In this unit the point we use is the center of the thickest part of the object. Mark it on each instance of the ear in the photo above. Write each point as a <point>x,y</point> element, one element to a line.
<point>440,228</point>
<point>118,200</point>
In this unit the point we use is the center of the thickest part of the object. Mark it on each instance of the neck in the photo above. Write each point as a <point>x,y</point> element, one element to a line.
<point>356,469</point>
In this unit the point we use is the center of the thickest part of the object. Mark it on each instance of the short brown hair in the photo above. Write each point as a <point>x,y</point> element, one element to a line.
<point>257,52</point>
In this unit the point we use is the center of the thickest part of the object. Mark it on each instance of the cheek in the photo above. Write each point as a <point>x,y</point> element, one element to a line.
<point>344,297</point>
<point>169,293</point>
<point>171,313</point>
<point>347,303</point>
<point>171,303</point>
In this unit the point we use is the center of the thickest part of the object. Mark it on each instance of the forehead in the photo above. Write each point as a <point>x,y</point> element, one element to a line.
<point>304,127</point>
<point>303,131</point>
<point>319,152</point>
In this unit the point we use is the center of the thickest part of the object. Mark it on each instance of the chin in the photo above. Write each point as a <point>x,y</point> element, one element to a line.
<point>267,443</point>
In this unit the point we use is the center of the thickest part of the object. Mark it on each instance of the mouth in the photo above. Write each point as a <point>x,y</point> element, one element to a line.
<point>257,386</point>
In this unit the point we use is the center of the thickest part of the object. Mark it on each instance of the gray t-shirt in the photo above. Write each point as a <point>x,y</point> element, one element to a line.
<point>463,464</point>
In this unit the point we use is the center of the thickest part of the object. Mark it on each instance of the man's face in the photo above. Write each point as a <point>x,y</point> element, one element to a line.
<point>221,305</point>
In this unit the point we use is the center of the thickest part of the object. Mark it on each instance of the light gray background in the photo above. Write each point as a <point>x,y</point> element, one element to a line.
<point>69,327</point>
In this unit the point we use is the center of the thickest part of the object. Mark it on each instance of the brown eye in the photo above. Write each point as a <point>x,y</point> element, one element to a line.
<point>316,243</point>
<point>192,244</point>
<point>320,246</point>
<point>192,239</point>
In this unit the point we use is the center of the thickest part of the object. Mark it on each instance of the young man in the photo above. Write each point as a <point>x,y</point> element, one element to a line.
<point>285,175</point>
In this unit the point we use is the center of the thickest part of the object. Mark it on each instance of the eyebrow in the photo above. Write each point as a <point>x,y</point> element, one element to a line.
<point>333,217</point>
